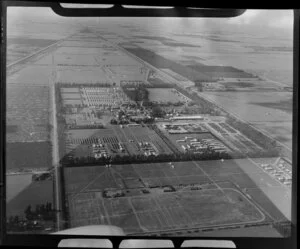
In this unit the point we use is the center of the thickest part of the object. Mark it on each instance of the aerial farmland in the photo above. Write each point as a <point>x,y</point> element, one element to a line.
<point>125,130</point>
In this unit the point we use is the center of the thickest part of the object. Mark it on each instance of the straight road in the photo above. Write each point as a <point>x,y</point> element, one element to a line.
<point>55,158</point>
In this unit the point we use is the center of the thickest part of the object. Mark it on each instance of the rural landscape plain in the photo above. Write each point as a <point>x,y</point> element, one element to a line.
<point>168,127</point>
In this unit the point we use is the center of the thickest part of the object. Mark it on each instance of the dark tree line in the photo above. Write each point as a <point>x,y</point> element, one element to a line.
<point>141,158</point>
<point>43,212</point>
<point>208,154</point>
<point>88,126</point>
<point>33,219</point>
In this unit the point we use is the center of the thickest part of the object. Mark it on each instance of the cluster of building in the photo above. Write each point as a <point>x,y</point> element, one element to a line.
<point>187,117</point>
<point>198,146</point>
<point>280,172</point>
<point>99,150</point>
<point>118,147</point>
<point>148,148</point>
<point>215,145</point>
<point>183,128</point>
<point>113,193</point>
<point>103,96</point>
<point>129,114</point>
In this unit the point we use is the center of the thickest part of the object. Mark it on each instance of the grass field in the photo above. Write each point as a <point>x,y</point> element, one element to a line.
<point>161,62</point>
<point>87,43</point>
<point>19,47</point>
<point>24,75</point>
<point>15,184</point>
<point>27,111</point>
<point>161,212</point>
<point>221,71</point>
<point>219,200</point>
<point>28,155</point>
<point>163,95</point>
<point>271,112</point>
<point>34,194</point>
<point>82,75</point>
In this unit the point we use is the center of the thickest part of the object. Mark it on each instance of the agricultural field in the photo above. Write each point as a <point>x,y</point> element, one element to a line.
<point>69,59</point>
<point>27,113</point>
<point>36,193</point>
<point>28,155</point>
<point>24,75</point>
<point>125,70</point>
<point>63,53</point>
<point>16,183</point>
<point>85,75</point>
<point>86,43</point>
<point>248,175</point>
<point>270,112</point>
<point>161,62</point>
<point>203,192</point>
<point>20,47</point>
<point>242,86</point>
<point>166,95</point>
<point>221,71</point>
<point>116,58</point>
<point>125,74</point>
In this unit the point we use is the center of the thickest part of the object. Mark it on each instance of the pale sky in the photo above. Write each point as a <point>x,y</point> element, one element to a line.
<point>273,18</point>
<point>281,20</point>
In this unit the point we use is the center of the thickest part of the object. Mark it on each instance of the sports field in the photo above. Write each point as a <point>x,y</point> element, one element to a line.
<point>204,194</point>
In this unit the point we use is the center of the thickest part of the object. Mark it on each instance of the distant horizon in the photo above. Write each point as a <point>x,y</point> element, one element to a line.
<point>268,22</point>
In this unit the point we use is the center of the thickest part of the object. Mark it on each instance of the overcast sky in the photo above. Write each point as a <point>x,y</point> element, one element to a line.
<point>278,20</point>
<point>282,19</point>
